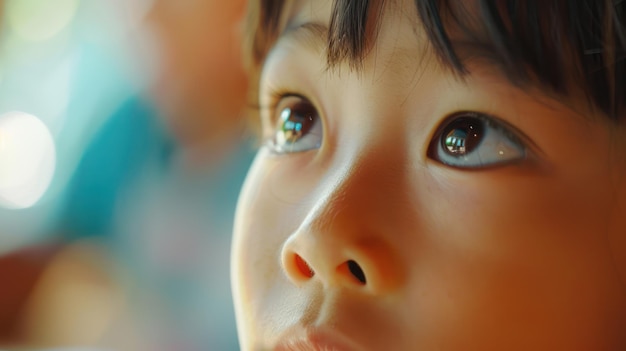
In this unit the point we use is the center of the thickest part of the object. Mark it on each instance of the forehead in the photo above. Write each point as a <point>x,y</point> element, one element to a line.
<point>388,26</point>
<point>356,38</point>
<point>536,45</point>
<point>395,65</point>
<point>348,34</point>
<point>399,56</point>
<point>394,29</point>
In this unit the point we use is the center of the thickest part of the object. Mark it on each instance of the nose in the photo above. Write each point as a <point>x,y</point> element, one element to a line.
<point>368,264</point>
<point>352,234</point>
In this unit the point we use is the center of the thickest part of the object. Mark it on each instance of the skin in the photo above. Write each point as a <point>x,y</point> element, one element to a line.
<point>201,86</point>
<point>521,256</point>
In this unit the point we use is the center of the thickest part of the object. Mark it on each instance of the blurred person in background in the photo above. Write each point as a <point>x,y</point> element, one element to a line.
<point>143,230</point>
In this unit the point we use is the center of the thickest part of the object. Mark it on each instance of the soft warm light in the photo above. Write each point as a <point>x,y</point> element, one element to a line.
<point>27,160</point>
<point>78,288</point>
<point>39,19</point>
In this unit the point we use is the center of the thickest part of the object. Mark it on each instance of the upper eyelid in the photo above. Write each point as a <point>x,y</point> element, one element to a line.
<point>269,113</point>
<point>277,97</point>
<point>270,102</point>
<point>276,94</point>
<point>310,36</point>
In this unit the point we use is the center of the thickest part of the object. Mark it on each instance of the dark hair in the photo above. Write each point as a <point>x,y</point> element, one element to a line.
<point>568,47</point>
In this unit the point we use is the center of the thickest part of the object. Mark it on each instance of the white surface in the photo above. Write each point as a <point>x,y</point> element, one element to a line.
<point>27,160</point>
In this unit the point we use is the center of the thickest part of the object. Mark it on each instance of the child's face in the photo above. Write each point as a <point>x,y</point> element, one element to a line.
<point>434,213</point>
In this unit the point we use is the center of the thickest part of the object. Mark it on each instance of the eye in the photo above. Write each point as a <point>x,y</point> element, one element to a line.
<point>297,126</point>
<point>473,141</point>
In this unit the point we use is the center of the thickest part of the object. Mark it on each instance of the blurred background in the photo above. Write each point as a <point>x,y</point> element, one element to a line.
<point>122,150</point>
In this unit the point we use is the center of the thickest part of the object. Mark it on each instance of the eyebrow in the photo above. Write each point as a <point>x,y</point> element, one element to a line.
<point>313,34</point>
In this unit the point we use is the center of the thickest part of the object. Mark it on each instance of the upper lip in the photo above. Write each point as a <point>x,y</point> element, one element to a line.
<point>314,339</point>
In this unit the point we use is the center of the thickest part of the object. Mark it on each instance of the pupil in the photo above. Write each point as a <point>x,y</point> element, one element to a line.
<point>297,121</point>
<point>462,136</point>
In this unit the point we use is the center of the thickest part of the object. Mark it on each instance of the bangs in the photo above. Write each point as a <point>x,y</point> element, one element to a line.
<point>565,47</point>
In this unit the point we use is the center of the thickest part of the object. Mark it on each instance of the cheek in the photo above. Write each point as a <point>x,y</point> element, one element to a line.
<point>617,228</point>
<point>256,238</point>
<point>524,253</point>
<point>271,207</point>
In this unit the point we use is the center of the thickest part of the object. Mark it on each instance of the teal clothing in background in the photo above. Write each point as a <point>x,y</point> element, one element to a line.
<point>169,228</point>
<point>129,140</point>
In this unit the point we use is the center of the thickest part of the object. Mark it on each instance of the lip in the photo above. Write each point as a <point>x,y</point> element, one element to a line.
<point>314,339</point>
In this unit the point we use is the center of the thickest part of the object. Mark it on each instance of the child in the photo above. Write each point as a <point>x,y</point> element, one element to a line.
<point>436,175</point>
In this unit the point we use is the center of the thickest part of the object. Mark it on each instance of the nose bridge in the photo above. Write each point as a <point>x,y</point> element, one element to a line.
<point>347,235</point>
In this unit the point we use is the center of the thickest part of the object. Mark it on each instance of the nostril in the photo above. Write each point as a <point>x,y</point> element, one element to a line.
<point>356,271</point>
<point>304,267</point>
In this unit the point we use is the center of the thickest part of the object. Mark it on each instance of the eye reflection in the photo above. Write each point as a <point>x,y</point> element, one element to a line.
<point>463,135</point>
<point>298,126</point>
<point>455,141</point>
<point>295,123</point>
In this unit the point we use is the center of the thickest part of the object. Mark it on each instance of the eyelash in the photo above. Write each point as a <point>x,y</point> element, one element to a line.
<point>268,111</point>
<point>492,142</point>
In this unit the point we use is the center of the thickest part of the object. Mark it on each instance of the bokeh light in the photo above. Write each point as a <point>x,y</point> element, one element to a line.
<point>92,181</point>
<point>27,160</point>
<point>39,20</point>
